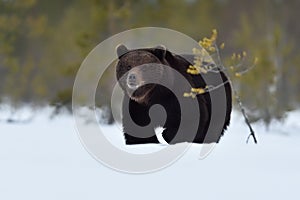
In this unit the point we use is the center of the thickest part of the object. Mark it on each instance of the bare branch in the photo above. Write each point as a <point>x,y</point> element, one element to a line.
<point>245,117</point>
<point>202,64</point>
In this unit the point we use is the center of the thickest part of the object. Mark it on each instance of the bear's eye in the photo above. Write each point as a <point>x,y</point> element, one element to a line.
<point>128,67</point>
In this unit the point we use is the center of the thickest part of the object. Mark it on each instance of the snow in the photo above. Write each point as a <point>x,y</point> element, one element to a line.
<point>44,159</point>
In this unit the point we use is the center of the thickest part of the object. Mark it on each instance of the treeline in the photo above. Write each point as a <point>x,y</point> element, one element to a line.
<point>42,44</point>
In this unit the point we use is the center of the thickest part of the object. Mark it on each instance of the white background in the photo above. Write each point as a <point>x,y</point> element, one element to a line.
<point>44,159</point>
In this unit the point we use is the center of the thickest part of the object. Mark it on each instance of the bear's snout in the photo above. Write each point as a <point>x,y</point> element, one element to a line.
<point>132,80</point>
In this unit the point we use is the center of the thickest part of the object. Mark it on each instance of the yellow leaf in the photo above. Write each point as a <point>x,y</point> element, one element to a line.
<point>192,67</point>
<point>186,94</point>
<point>212,49</point>
<point>192,71</point>
<point>198,90</point>
<point>222,46</point>
<point>233,56</point>
<point>214,34</point>
<point>238,74</point>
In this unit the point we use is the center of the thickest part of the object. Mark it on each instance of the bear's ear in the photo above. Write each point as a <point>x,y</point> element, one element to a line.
<point>121,50</point>
<point>160,51</point>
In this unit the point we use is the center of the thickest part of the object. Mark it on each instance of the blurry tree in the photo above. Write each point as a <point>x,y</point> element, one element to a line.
<point>266,89</point>
<point>42,44</point>
<point>21,49</point>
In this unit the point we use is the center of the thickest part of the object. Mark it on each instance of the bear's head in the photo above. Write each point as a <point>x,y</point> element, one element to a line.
<point>139,70</point>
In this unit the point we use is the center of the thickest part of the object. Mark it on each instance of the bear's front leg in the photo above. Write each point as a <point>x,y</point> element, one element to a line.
<point>171,128</point>
<point>136,124</point>
<point>169,135</point>
<point>136,134</point>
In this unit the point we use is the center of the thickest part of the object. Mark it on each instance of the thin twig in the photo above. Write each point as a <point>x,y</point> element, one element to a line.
<point>246,118</point>
<point>211,88</point>
<point>219,66</point>
<point>237,97</point>
<point>246,70</point>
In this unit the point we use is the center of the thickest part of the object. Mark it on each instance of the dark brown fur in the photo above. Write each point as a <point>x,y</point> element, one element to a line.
<point>138,126</point>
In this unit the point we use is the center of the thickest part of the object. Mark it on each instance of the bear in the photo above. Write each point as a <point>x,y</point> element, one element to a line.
<point>138,124</point>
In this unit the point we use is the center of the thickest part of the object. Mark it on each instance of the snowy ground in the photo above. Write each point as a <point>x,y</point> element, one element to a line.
<point>44,159</point>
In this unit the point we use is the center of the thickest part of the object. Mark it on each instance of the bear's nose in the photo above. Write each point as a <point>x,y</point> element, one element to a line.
<point>132,77</point>
<point>132,80</point>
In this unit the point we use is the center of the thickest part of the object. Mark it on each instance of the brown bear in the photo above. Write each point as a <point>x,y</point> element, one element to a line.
<point>139,77</point>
